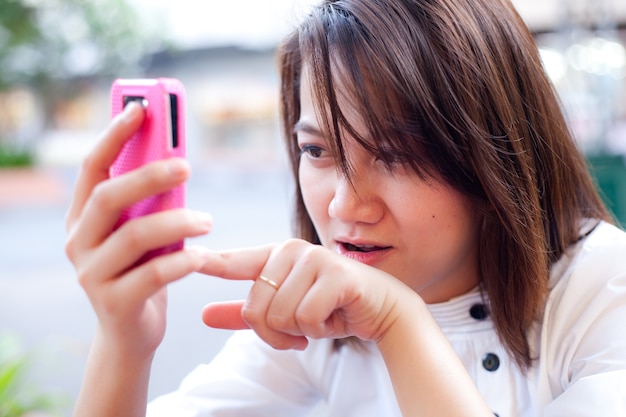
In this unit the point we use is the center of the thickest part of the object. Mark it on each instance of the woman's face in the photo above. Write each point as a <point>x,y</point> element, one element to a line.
<point>423,232</point>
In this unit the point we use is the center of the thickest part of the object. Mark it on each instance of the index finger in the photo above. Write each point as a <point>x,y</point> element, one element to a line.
<point>238,264</point>
<point>95,168</point>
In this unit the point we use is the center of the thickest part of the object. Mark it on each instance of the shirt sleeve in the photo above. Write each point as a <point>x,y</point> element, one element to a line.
<point>247,378</point>
<point>585,326</point>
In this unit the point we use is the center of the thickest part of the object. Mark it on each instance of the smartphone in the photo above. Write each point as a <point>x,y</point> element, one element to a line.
<point>161,136</point>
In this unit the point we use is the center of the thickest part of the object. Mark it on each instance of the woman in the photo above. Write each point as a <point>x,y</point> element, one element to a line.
<point>455,258</point>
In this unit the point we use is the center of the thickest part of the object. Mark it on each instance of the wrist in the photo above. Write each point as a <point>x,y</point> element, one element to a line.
<point>414,350</point>
<point>122,351</point>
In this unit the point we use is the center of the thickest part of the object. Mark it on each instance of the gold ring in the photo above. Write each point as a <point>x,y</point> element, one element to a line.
<point>271,283</point>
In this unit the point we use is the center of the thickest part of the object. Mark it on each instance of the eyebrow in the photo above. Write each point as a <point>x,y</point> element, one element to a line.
<point>303,126</point>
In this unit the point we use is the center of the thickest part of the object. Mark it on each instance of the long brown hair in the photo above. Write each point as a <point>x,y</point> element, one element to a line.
<point>457,88</point>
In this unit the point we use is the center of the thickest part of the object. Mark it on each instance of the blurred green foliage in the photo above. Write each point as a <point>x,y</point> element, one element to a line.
<point>16,397</point>
<point>10,157</point>
<point>16,31</point>
<point>45,40</point>
<point>56,47</point>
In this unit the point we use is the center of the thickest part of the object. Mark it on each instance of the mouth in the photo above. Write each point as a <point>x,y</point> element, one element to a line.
<point>349,247</point>
<point>367,253</point>
<point>371,253</point>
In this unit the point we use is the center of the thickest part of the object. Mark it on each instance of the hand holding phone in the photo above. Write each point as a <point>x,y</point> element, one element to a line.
<point>161,136</point>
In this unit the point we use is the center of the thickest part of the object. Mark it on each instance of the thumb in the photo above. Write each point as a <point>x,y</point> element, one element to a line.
<point>224,315</point>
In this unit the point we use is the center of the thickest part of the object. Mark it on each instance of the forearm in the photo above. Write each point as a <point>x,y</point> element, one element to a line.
<point>114,384</point>
<point>428,377</point>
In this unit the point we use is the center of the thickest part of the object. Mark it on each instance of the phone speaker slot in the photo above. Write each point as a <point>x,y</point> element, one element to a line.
<point>174,119</point>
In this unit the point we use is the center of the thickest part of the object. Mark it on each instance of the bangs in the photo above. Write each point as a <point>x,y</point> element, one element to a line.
<point>394,128</point>
<point>415,103</point>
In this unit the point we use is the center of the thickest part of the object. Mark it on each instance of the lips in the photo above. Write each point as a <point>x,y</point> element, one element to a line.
<point>367,253</point>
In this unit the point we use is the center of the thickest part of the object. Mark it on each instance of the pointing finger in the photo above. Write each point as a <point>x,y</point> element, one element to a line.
<point>238,264</point>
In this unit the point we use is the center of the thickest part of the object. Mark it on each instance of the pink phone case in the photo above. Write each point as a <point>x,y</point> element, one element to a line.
<point>161,136</point>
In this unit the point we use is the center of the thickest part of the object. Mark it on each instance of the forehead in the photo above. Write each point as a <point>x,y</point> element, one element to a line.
<point>326,110</point>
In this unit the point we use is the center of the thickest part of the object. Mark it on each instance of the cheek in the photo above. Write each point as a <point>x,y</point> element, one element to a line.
<point>457,227</point>
<point>316,194</point>
<point>444,218</point>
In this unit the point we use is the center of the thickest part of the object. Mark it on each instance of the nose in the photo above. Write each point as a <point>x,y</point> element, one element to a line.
<point>356,200</point>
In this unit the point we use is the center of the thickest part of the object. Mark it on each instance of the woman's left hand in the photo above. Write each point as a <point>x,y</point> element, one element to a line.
<point>305,291</point>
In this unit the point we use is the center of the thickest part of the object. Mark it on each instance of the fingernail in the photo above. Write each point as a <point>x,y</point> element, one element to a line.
<point>177,167</point>
<point>204,218</point>
<point>130,111</point>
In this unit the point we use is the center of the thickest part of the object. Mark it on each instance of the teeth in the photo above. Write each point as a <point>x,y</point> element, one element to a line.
<point>360,248</point>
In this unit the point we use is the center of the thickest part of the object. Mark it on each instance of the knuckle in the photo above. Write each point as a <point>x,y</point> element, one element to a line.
<point>101,197</point>
<point>304,319</point>
<point>258,323</point>
<point>293,244</point>
<point>90,162</point>
<point>278,321</point>
<point>250,316</point>
<point>193,259</point>
<point>310,257</point>
<point>291,247</point>
<point>84,277</point>
<point>155,274</point>
<point>310,326</point>
<point>133,234</point>
<point>70,248</point>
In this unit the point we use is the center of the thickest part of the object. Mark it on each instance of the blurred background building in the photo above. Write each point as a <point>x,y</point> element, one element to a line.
<point>57,61</point>
<point>58,58</point>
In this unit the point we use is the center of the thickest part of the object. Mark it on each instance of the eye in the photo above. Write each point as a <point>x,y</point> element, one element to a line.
<point>312,151</point>
<point>392,158</point>
<point>315,156</point>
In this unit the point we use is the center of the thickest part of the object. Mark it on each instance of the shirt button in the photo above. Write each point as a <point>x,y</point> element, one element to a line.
<point>491,362</point>
<point>479,312</point>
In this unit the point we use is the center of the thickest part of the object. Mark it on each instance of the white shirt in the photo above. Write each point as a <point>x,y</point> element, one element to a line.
<point>580,344</point>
